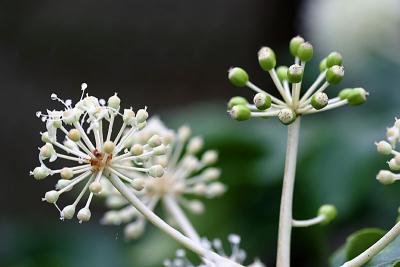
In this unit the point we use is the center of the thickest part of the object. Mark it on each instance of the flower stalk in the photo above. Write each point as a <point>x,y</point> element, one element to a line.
<point>285,218</point>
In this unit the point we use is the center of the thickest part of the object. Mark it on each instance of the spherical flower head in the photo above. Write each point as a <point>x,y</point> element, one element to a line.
<point>293,100</point>
<point>92,149</point>
<point>183,171</point>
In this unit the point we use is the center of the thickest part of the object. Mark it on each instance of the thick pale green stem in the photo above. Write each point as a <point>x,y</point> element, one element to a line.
<point>285,218</point>
<point>375,248</point>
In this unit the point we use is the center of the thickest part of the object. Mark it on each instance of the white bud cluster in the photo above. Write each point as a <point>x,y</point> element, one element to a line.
<point>181,170</point>
<point>387,147</point>
<point>96,149</point>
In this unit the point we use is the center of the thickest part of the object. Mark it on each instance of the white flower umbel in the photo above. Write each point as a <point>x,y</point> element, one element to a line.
<point>292,104</point>
<point>185,174</point>
<point>91,148</point>
<point>237,255</point>
<point>385,177</point>
<point>99,157</point>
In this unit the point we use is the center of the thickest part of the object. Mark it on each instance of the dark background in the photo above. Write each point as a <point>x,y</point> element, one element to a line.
<point>173,57</point>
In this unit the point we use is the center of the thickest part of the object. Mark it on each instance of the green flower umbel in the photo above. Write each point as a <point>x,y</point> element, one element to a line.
<point>288,81</point>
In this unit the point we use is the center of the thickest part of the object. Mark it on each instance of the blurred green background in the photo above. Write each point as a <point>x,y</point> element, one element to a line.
<point>173,58</point>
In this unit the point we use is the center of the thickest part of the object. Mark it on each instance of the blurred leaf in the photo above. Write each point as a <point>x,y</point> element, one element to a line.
<point>388,257</point>
<point>355,244</point>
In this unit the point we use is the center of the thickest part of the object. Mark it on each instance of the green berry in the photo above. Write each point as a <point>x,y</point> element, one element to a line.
<point>295,73</point>
<point>319,100</point>
<point>294,45</point>
<point>287,116</point>
<point>344,94</point>
<point>237,100</point>
<point>305,51</point>
<point>334,74</point>
<point>266,58</point>
<point>262,101</point>
<point>333,59</point>
<point>281,71</point>
<point>240,113</point>
<point>357,96</point>
<point>329,211</point>
<point>322,65</point>
<point>238,76</point>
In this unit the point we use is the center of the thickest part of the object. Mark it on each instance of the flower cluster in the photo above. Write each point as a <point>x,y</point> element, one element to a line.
<point>293,103</point>
<point>388,147</point>
<point>96,153</point>
<point>237,255</point>
<point>185,174</point>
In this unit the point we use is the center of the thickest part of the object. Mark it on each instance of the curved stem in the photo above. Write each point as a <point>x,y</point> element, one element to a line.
<point>375,248</point>
<point>157,221</point>
<point>309,222</point>
<point>180,218</point>
<point>285,217</point>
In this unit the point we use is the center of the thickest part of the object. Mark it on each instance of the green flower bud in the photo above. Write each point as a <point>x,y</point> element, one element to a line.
<point>384,148</point>
<point>329,211</point>
<point>344,94</point>
<point>237,100</point>
<point>386,177</point>
<point>240,113</point>
<point>281,71</point>
<point>287,116</point>
<point>357,96</point>
<point>238,76</point>
<point>295,73</point>
<point>334,74</point>
<point>262,101</point>
<point>305,51</point>
<point>322,65</point>
<point>294,45</point>
<point>319,100</point>
<point>266,58</point>
<point>333,59</point>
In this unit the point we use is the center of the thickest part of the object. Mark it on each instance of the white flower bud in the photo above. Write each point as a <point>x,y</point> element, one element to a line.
<point>196,206</point>
<point>386,177</point>
<point>160,150</point>
<point>184,133</point>
<point>138,184</point>
<point>209,157</point>
<point>40,173</point>
<point>134,230</point>
<point>108,147</point>
<point>392,132</point>
<point>137,149</point>
<point>397,159</point>
<point>127,214</point>
<point>168,137</point>
<point>211,174</point>
<point>154,141</point>
<point>84,215</point>
<point>114,102</point>
<point>141,115</point>
<point>195,145</point>
<point>216,189</point>
<point>95,187</point>
<point>393,165</point>
<point>140,126</point>
<point>51,196</point>
<point>111,217</point>
<point>156,171</point>
<point>70,116</point>
<point>45,137</point>
<point>74,135</point>
<point>200,189</point>
<point>68,212</point>
<point>129,116</point>
<point>286,116</point>
<point>384,148</point>
<point>62,183</point>
<point>66,173</point>
<point>47,151</point>
<point>115,202</point>
<point>162,160</point>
